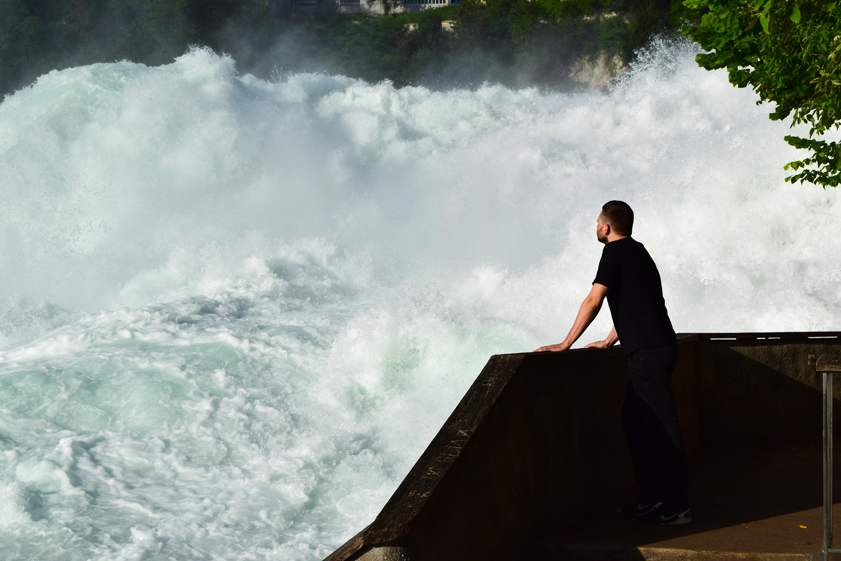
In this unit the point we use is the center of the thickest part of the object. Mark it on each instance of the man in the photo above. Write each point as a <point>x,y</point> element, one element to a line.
<point>629,279</point>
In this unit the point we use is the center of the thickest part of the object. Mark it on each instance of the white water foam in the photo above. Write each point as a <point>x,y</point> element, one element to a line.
<point>235,311</point>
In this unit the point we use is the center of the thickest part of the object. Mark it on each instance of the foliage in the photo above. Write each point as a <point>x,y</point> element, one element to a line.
<point>387,6</point>
<point>613,35</point>
<point>567,9</point>
<point>645,22</point>
<point>788,52</point>
<point>512,42</point>
<point>37,36</point>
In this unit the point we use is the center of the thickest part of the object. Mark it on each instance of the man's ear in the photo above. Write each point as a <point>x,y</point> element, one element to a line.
<point>606,228</point>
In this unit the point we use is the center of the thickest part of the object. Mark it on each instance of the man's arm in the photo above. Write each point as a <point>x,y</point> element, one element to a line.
<point>588,312</point>
<point>611,339</point>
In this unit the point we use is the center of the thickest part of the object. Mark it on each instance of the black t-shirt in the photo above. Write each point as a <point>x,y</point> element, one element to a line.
<point>635,296</point>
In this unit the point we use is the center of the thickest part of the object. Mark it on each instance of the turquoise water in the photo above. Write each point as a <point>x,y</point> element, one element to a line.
<point>234,312</point>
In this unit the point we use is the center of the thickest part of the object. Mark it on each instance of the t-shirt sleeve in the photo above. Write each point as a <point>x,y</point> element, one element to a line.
<point>608,272</point>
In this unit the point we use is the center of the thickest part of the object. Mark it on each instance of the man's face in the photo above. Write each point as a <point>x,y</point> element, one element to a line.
<point>601,234</point>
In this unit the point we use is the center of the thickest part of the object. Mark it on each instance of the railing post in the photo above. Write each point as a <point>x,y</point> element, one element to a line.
<point>826,366</point>
<point>827,464</point>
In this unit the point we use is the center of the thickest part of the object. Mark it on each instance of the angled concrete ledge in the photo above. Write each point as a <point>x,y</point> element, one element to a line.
<point>536,443</point>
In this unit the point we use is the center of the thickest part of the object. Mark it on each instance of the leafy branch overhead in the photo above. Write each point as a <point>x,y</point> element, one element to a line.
<point>789,52</point>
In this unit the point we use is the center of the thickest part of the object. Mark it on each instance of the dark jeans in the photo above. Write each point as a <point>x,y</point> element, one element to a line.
<point>651,427</point>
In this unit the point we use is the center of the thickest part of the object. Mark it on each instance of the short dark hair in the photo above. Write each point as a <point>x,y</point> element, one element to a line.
<point>620,217</point>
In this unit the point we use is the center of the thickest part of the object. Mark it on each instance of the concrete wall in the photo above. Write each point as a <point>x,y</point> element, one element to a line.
<point>536,442</point>
<point>760,388</point>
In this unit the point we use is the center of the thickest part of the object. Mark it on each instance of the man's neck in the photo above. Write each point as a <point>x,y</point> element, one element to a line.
<point>611,237</point>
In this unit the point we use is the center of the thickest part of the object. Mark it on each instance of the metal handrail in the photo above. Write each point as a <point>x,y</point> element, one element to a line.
<point>827,365</point>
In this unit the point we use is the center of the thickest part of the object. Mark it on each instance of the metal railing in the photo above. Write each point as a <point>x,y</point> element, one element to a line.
<point>827,365</point>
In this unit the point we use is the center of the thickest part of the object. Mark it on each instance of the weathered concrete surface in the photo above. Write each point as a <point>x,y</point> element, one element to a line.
<point>425,482</point>
<point>518,452</point>
<point>755,499</point>
<point>536,478</point>
<point>385,553</point>
<point>536,443</point>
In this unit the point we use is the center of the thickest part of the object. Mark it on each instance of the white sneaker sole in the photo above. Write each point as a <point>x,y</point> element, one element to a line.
<point>682,519</point>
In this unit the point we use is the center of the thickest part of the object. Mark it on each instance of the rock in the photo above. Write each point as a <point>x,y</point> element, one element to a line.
<point>597,74</point>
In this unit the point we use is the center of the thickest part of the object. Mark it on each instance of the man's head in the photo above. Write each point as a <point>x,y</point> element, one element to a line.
<point>616,218</point>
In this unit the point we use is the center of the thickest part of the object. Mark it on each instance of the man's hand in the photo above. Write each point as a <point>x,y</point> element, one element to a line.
<point>554,348</point>
<point>589,308</point>
<point>611,340</point>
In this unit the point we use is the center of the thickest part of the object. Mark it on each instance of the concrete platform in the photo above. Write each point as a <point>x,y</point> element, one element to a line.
<point>535,446</point>
<point>758,499</point>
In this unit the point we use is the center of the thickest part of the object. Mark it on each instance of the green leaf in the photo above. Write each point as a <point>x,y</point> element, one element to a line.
<point>790,63</point>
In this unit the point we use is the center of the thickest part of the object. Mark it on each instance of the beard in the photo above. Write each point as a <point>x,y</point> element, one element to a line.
<point>602,238</point>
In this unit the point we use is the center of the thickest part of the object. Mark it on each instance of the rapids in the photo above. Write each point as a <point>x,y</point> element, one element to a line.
<point>234,312</point>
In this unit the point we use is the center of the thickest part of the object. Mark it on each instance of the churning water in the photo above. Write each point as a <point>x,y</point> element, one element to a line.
<point>234,312</point>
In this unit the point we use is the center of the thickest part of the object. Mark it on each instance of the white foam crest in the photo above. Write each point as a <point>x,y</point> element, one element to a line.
<point>203,419</point>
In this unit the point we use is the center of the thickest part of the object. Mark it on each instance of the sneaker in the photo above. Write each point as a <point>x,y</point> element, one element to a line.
<point>640,508</point>
<point>662,515</point>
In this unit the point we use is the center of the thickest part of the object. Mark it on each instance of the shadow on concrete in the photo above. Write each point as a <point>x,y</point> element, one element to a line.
<point>750,495</point>
<point>758,497</point>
